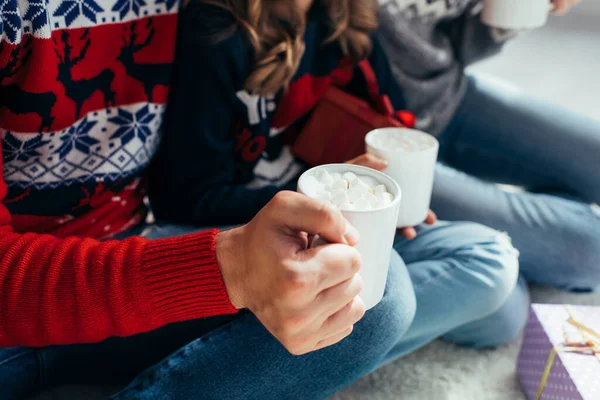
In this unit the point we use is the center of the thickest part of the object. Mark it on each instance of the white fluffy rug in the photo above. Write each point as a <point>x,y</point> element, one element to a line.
<point>441,371</point>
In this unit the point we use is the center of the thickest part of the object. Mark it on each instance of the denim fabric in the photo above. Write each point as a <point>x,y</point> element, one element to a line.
<point>453,283</point>
<point>501,135</point>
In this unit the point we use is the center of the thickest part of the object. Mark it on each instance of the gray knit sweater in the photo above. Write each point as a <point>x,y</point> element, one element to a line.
<point>429,43</point>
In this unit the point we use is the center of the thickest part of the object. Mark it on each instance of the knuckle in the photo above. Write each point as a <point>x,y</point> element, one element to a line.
<point>328,214</point>
<point>359,308</point>
<point>348,331</point>
<point>296,347</point>
<point>293,325</point>
<point>281,199</point>
<point>298,281</point>
<point>296,351</point>
<point>359,283</point>
<point>355,259</point>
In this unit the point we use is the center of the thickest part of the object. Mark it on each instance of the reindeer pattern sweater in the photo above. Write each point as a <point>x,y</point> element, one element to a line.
<point>83,87</point>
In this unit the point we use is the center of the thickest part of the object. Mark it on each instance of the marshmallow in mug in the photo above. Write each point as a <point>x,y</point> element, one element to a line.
<point>348,191</point>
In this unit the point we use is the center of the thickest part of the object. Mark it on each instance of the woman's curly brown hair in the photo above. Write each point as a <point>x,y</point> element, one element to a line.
<point>276,29</point>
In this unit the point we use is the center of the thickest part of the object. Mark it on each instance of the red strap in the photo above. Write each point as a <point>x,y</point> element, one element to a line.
<point>370,79</point>
<point>383,103</point>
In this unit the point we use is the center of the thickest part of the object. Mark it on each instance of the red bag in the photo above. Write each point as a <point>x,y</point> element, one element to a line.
<point>336,130</point>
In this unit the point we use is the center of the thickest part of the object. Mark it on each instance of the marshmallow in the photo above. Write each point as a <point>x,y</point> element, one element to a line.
<point>380,189</point>
<point>349,176</point>
<point>358,183</point>
<point>340,184</point>
<point>385,199</point>
<point>371,182</point>
<point>372,199</point>
<point>340,197</point>
<point>347,191</point>
<point>319,187</point>
<point>324,177</point>
<point>321,174</point>
<point>354,194</point>
<point>337,192</point>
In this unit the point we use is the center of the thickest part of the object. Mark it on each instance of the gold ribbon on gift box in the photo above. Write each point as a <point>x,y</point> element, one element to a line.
<point>590,345</point>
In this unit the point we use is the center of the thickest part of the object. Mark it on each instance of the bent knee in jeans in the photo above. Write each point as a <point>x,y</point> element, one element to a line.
<point>483,259</point>
<point>495,250</point>
<point>19,372</point>
<point>499,328</point>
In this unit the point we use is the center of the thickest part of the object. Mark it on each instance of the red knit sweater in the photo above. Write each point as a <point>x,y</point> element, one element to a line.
<point>60,291</point>
<point>83,87</point>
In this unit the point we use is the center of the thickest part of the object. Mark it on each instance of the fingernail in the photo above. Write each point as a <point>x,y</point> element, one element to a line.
<point>351,235</point>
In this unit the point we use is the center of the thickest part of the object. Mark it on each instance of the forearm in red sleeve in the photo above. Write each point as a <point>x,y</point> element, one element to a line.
<point>60,291</point>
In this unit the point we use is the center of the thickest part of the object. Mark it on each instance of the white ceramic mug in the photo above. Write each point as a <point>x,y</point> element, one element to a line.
<point>516,14</point>
<point>413,170</point>
<point>376,228</point>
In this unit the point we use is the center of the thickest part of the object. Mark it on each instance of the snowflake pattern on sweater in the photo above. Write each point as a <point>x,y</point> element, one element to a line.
<point>83,87</point>
<point>41,17</point>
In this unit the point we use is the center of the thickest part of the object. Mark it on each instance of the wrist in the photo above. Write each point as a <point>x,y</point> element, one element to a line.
<point>230,260</point>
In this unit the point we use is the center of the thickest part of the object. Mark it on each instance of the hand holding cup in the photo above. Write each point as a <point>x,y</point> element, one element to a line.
<point>306,297</point>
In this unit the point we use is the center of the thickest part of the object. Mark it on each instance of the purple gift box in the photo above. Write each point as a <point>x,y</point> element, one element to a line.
<point>556,361</point>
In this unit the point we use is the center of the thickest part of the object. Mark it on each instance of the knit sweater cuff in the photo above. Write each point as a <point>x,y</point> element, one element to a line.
<point>183,278</point>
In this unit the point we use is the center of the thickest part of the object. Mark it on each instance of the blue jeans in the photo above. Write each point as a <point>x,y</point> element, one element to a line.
<point>454,281</point>
<point>501,135</point>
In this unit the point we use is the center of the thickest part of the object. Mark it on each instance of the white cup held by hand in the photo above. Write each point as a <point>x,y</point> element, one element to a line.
<point>377,228</point>
<point>516,14</point>
<point>411,157</point>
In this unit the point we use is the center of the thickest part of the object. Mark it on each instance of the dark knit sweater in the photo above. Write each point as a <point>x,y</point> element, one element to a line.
<point>226,152</point>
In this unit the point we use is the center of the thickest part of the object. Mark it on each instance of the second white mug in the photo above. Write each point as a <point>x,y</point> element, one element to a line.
<point>413,169</point>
